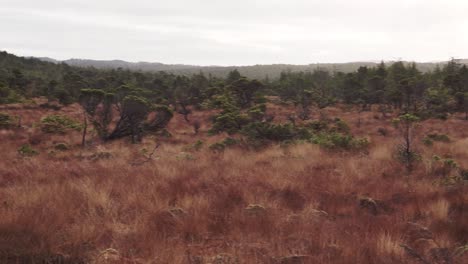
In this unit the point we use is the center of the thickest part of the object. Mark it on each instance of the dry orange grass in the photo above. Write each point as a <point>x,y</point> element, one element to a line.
<point>294,204</point>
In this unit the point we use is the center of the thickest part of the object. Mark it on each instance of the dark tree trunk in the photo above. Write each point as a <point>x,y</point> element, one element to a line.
<point>85,128</point>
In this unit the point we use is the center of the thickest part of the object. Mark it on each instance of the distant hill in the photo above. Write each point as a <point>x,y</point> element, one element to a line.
<point>254,71</point>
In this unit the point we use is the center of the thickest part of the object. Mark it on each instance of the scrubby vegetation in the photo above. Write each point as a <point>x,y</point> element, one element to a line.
<point>6,121</point>
<point>114,166</point>
<point>58,124</point>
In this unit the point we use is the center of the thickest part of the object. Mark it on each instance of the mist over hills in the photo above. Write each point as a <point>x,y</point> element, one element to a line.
<point>251,71</point>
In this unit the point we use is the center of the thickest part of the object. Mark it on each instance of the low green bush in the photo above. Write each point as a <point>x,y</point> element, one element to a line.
<point>230,122</point>
<point>431,138</point>
<point>195,146</point>
<point>338,141</point>
<point>257,112</point>
<point>217,147</point>
<point>6,121</point>
<point>438,137</point>
<point>340,126</point>
<point>230,141</point>
<point>464,174</point>
<point>268,131</point>
<point>336,125</point>
<point>318,126</point>
<point>221,146</point>
<point>61,146</point>
<point>58,124</point>
<point>198,145</point>
<point>382,131</point>
<point>408,157</point>
<point>27,151</point>
<point>427,141</point>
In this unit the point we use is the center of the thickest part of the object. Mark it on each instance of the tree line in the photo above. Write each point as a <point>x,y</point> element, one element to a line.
<point>146,101</point>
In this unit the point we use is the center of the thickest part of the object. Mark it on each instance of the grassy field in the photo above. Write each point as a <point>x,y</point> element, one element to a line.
<point>297,203</point>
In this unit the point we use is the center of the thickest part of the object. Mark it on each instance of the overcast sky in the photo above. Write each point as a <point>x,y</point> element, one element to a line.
<point>236,32</point>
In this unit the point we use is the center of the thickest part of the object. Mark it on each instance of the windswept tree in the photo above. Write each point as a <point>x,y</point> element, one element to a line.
<point>184,97</point>
<point>456,82</point>
<point>393,82</point>
<point>294,87</point>
<point>307,90</point>
<point>406,151</point>
<point>136,114</point>
<point>97,107</point>
<point>199,84</point>
<point>305,99</point>
<point>70,87</point>
<point>437,102</point>
<point>244,91</point>
<point>159,118</point>
<point>462,102</point>
<point>233,76</point>
<point>133,112</point>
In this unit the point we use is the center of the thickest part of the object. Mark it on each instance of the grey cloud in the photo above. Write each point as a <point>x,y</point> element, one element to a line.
<point>236,32</point>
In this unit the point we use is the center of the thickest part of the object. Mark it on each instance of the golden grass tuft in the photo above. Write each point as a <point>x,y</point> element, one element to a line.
<point>388,245</point>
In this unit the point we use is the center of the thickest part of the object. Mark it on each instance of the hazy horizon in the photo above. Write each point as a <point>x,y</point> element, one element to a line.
<point>215,65</point>
<point>241,33</point>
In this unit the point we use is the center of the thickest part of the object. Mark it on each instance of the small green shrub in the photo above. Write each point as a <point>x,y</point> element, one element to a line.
<point>257,112</point>
<point>230,142</point>
<point>337,141</point>
<point>221,146</point>
<point>405,152</point>
<point>441,116</point>
<point>302,133</point>
<point>230,122</point>
<point>27,151</point>
<point>461,250</point>
<point>198,145</point>
<point>336,125</point>
<point>341,126</point>
<point>448,170</point>
<point>52,106</point>
<point>450,180</point>
<point>451,163</point>
<point>100,155</point>
<point>6,121</point>
<point>464,174</point>
<point>61,146</point>
<point>438,137</point>
<point>58,124</point>
<point>164,133</point>
<point>217,147</point>
<point>427,141</point>
<point>318,126</point>
<point>445,166</point>
<point>382,131</point>
<point>195,146</point>
<point>259,98</point>
<point>407,157</point>
<point>267,131</point>
<point>185,156</point>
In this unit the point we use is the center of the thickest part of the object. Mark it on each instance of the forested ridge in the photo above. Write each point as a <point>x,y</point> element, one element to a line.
<point>258,71</point>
